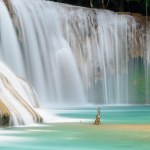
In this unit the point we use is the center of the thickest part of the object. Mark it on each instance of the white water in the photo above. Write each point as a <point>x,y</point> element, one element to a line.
<point>107,47</point>
<point>71,55</point>
<point>44,57</point>
<point>94,70</point>
<point>50,65</point>
<point>16,94</point>
<point>10,51</point>
<point>101,41</point>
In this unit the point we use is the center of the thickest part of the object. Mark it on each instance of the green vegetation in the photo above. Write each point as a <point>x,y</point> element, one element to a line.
<point>141,6</point>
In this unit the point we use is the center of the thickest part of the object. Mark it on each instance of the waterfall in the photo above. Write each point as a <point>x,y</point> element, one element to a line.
<point>74,55</point>
<point>49,63</point>
<point>109,49</point>
<point>10,52</point>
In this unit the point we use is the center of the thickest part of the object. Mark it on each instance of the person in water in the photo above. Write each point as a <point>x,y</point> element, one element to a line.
<point>97,120</point>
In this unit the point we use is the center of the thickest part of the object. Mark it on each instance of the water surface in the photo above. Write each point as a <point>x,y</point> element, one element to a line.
<point>122,128</point>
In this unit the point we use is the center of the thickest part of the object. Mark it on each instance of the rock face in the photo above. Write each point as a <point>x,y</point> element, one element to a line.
<point>4,114</point>
<point>9,7</point>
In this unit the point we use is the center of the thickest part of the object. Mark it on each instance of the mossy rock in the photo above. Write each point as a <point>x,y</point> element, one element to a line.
<point>4,120</point>
<point>4,115</point>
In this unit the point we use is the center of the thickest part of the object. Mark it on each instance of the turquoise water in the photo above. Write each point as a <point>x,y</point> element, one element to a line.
<point>84,135</point>
<point>113,115</point>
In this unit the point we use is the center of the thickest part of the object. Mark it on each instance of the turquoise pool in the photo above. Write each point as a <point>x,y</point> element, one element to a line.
<point>111,114</point>
<point>122,128</point>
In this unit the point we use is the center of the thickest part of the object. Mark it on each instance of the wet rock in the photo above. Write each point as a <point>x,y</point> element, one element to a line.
<point>4,114</point>
<point>15,20</point>
<point>97,120</point>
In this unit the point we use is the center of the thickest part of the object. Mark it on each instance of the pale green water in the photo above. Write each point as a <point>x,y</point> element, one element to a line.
<point>83,135</point>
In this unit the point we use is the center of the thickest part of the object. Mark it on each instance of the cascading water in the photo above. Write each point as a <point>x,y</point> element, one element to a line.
<point>73,55</point>
<point>18,97</point>
<point>49,62</point>
<point>10,51</point>
<point>41,56</point>
<point>12,93</point>
<point>109,49</point>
